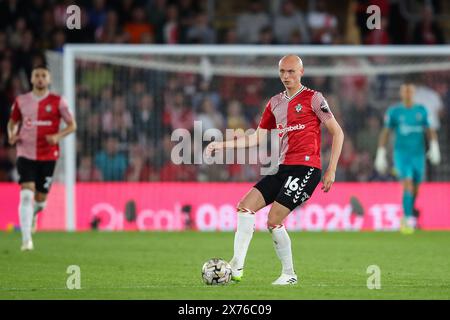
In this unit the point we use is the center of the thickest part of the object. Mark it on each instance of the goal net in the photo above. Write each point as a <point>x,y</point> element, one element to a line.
<point>128,101</point>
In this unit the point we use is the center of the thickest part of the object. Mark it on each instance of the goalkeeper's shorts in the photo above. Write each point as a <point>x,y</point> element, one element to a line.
<point>409,166</point>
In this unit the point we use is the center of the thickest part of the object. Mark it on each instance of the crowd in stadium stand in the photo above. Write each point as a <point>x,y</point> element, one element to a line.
<point>124,134</point>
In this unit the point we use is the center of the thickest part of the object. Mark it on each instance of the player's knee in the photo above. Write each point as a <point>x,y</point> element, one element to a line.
<point>408,186</point>
<point>28,186</point>
<point>40,197</point>
<point>273,224</point>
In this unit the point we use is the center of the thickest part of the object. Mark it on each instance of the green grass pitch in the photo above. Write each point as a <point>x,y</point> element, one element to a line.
<point>154,265</point>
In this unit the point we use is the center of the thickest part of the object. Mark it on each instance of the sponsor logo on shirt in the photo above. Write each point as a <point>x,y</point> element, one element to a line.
<point>408,129</point>
<point>37,123</point>
<point>289,128</point>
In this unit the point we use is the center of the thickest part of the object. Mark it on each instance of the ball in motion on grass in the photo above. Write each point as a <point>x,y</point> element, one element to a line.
<point>216,271</point>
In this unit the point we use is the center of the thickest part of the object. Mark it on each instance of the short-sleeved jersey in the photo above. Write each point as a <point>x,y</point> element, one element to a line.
<point>298,119</point>
<point>409,125</point>
<point>39,117</point>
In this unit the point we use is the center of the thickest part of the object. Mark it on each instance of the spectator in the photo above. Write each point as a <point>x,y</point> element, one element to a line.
<point>179,115</point>
<point>187,13</point>
<point>146,118</point>
<point>428,31</point>
<point>138,27</point>
<point>379,36</point>
<point>171,33</point>
<point>358,110</point>
<point>158,12</point>
<point>432,101</point>
<point>367,137</point>
<point>266,36</point>
<point>250,23</point>
<point>16,35</point>
<point>230,36</point>
<point>235,118</point>
<point>209,117</point>
<point>201,31</point>
<point>322,24</point>
<point>111,162</point>
<point>205,92</point>
<point>87,171</point>
<point>118,120</point>
<point>10,12</point>
<point>289,20</point>
<point>110,31</point>
<point>97,14</point>
<point>139,169</point>
<point>348,160</point>
<point>58,40</point>
<point>171,171</point>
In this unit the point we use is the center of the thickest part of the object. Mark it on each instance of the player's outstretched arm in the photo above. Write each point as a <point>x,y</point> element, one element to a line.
<point>13,135</point>
<point>433,152</point>
<point>338,140</point>
<point>71,126</point>
<point>381,164</point>
<point>246,141</point>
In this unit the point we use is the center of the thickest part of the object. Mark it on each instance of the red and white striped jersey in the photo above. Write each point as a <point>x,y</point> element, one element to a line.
<point>298,120</point>
<point>39,117</point>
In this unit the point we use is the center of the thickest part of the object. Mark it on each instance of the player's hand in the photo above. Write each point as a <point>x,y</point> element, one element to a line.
<point>52,138</point>
<point>381,164</point>
<point>433,153</point>
<point>12,140</point>
<point>212,147</point>
<point>328,179</point>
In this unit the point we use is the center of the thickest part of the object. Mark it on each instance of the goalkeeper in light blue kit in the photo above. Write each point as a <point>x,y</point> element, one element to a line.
<point>409,122</point>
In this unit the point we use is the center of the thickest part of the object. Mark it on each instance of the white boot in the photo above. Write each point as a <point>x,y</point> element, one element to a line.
<point>27,245</point>
<point>286,279</point>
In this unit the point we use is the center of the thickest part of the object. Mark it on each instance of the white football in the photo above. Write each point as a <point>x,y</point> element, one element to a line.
<point>216,271</point>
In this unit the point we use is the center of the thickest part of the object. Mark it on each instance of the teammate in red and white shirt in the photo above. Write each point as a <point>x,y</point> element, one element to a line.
<point>297,113</point>
<point>34,128</point>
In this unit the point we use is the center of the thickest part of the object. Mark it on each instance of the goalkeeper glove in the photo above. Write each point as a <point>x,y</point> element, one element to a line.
<point>433,153</point>
<point>381,164</point>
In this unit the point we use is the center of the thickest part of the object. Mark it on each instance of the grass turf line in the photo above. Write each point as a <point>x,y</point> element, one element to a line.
<point>156,265</point>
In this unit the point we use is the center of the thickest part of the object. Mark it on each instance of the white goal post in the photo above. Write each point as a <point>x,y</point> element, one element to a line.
<point>131,55</point>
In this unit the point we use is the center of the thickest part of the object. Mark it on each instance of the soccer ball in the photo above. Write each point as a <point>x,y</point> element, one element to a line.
<point>216,271</point>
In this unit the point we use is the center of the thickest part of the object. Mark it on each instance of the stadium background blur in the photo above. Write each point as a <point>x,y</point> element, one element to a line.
<point>124,132</point>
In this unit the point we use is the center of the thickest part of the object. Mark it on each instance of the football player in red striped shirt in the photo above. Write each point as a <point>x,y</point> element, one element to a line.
<point>34,128</point>
<point>297,113</point>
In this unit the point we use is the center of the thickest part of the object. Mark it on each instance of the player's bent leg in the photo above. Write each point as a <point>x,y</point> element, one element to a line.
<point>26,214</point>
<point>246,208</point>
<point>408,222</point>
<point>282,243</point>
<point>40,202</point>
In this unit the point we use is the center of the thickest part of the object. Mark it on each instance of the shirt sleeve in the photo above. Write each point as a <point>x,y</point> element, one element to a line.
<point>15,115</point>
<point>389,120</point>
<point>268,119</point>
<point>64,110</point>
<point>320,107</point>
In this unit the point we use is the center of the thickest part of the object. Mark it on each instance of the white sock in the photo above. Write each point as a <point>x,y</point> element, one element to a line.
<point>242,238</point>
<point>26,213</point>
<point>282,245</point>
<point>39,206</point>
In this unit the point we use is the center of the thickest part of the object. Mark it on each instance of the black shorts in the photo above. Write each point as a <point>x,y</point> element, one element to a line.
<point>290,186</point>
<point>39,172</point>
